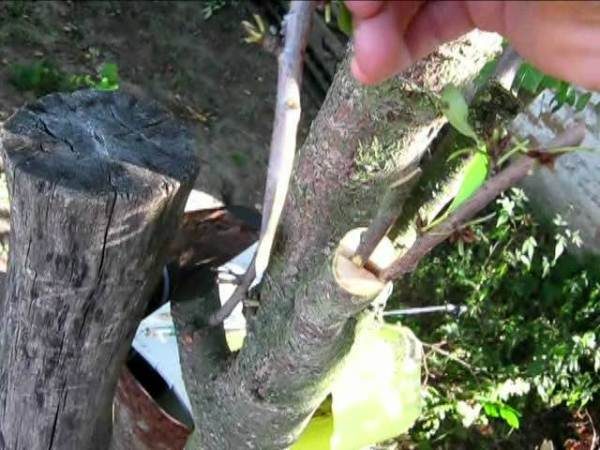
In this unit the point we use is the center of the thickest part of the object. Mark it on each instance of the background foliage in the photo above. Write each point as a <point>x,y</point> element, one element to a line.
<point>44,77</point>
<point>526,346</point>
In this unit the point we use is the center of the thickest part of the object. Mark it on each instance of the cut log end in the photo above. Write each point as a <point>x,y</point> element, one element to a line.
<point>355,279</point>
<point>96,141</point>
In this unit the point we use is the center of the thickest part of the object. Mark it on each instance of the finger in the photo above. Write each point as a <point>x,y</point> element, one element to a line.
<point>379,47</point>
<point>437,22</point>
<point>561,39</point>
<point>364,9</point>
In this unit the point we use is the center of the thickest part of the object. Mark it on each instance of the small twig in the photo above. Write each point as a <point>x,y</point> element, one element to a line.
<point>506,178</point>
<point>436,348</point>
<point>237,296</point>
<point>594,433</point>
<point>283,146</point>
<point>387,214</point>
<point>519,147</point>
<point>426,369</point>
<point>479,220</point>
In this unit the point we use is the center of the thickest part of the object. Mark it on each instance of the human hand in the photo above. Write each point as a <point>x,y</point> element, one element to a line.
<point>560,38</point>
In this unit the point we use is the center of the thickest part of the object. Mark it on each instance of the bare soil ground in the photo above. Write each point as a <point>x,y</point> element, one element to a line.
<point>199,68</point>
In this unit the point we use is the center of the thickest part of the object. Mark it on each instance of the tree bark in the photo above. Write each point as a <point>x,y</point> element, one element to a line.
<point>97,184</point>
<point>263,396</point>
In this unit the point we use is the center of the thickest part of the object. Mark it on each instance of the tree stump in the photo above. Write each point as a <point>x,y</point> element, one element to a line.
<point>97,183</point>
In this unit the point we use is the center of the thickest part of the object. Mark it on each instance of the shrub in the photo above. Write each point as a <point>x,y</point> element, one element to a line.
<point>528,341</point>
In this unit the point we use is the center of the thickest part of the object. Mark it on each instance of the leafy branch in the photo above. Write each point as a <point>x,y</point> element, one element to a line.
<point>505,179</point>
<point>531,80</point>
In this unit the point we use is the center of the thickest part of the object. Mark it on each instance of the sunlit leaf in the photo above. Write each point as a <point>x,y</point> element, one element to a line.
<point>110,71</point>
<point>235,339</point>
<point>545,266</point>
<point>461,248</point>
<point>559,247</point>
<point>456,110</point>
<point>491,410</point>
<point>316,435</point>
<point>377,394</point>
<point>528,247</point>
<point>469,413</point>
<point>474,175</point>
<point>109,78</point>
<point>510,416</point>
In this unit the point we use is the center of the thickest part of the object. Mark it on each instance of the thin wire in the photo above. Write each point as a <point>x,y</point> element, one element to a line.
<point>449,307</point>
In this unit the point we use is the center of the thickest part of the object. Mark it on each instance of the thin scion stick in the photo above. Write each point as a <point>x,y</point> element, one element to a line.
<point>506,178</point>
<point>387,214</point>
<point>283,147</point>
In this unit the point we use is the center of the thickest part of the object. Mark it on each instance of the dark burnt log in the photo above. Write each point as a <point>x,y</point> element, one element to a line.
<point>97,183</point>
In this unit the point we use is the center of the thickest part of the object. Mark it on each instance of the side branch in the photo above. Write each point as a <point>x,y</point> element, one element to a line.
<point>387,214</point>
<point>508,177</point>
<point>283,146</point>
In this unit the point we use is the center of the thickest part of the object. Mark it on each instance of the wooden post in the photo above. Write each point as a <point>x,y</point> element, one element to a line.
<point>97,182</point>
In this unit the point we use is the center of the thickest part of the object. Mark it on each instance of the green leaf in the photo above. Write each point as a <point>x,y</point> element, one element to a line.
<point>528,78</point>
<point>565,94</point>
<point>491,410</point>
<point>109,77</point>
<point>582,101</point>
<point>534,81</point>
<point>456,110</point>
<point>510,416</point>
<point>377,394</point>
<point>110,71</point>
<point>40,77</point>
<point>344,19</point>
<point>474,175</point>
<point>550,83</point>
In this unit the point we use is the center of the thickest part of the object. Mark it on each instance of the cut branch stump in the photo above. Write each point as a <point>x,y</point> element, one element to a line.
<point>97,183</point>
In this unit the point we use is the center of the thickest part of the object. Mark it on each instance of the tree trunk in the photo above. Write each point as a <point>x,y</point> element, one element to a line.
<point>362,137</point>
<point>97,183</point>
